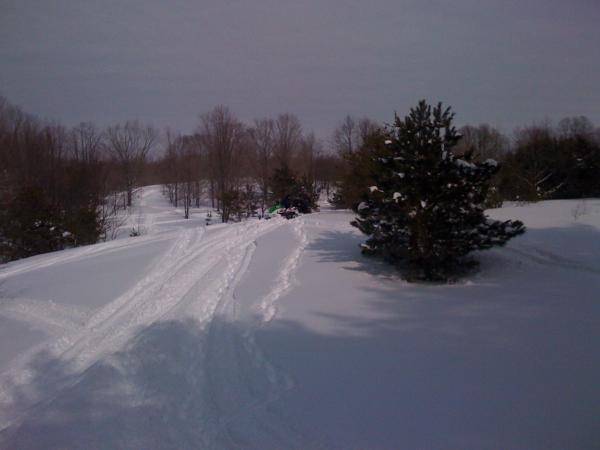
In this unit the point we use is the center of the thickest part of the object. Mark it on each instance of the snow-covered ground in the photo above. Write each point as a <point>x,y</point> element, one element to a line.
<point>279,334</point>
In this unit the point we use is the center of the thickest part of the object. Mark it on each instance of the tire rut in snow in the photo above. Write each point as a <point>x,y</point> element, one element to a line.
<point>240,382</point>
<point>184,276</point>
<point>188,264</point>
<point>285,278</point>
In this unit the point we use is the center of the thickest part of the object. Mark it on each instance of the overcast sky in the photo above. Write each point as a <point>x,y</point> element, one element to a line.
<point>506,62</point>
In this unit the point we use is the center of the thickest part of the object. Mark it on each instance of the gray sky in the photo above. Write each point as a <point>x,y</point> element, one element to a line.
<point>506,62</point>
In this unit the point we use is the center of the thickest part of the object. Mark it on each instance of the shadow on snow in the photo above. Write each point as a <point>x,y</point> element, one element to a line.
<point>478,365</point>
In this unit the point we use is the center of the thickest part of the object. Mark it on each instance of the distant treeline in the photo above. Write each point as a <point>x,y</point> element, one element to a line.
<point>242,168</point>
<point>539,162</point>
<point>62,187</point>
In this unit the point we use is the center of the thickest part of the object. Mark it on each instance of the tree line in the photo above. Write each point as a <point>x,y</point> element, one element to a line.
<point>64,186</point>
<point>244,168</point>
<point>538,162</point>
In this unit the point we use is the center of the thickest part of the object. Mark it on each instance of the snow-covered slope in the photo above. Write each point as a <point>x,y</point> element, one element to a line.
<point>279,334</point>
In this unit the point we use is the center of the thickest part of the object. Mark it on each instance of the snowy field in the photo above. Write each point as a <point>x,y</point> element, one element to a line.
<point>279,334</point>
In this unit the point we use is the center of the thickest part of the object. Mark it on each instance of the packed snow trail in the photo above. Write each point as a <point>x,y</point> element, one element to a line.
<point>285,277</point>
<point>191,285</point>
<point>190,262</point>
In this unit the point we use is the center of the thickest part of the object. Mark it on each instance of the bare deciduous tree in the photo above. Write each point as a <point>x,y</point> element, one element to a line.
<point>288,133</point>
<point>130,144</point>
<point>573,127</point>
<point>262,137</point>
<point>367,128</point>
<point>86,143</point>
<point>309,151</point>
<point>223,135</point>
<point>183,167</point>
<point>346,136</point>
<point>484,142</point>
<point>351,133</point>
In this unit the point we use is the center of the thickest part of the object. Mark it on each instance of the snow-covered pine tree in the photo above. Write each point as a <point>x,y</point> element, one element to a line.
<point>425,209</point>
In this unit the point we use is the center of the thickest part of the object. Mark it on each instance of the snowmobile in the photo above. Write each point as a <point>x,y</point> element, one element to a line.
<point>288,213</point>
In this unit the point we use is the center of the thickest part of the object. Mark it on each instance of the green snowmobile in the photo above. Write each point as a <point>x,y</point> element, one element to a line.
<point>288,213</point>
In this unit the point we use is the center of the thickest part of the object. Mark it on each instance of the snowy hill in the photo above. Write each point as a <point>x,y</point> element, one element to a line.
<point>279,334</point>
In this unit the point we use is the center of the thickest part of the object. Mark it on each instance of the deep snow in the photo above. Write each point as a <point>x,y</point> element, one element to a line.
<point>280,334</point>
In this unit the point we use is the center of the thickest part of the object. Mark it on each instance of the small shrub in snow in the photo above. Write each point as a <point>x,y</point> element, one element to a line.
<point>426,208</point>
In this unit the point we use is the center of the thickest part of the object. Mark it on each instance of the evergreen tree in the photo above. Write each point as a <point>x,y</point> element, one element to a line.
<point>426,207</point>
<point>297,193</point>
<point>32,225</point>
<point>357,174</point>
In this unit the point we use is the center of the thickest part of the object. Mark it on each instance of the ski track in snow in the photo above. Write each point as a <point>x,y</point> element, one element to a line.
<point>195,278</point>
<point>228,369</point>
<point>285,278</point>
